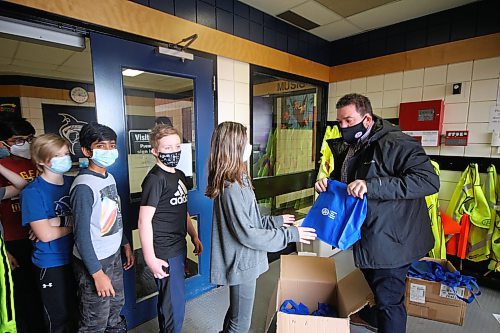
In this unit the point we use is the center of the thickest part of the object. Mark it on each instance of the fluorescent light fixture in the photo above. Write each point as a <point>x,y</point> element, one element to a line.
<point>175,53</point>
<point>131,72</point>
<point>31,32</point>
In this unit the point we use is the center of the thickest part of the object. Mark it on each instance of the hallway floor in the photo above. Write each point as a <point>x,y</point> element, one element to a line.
<point>206,313</point>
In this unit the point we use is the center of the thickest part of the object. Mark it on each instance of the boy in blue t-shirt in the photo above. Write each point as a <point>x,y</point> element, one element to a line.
<point>45,208</point>
<point>99,235</point>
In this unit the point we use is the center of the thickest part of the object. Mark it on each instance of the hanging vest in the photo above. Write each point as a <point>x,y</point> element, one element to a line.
<point>469,198</point>
<point>439,249</point>
<point>326,161</point>
<point>494,231</point>
<point>7,312</point>
<point>479,241</point>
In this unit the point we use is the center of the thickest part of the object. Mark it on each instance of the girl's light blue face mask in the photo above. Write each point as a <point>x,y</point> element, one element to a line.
<point>60,164</point>
<point>104,158</point>
<point>4,152</point>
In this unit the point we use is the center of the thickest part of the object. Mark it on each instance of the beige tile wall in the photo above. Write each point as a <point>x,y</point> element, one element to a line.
<point>469,110</point>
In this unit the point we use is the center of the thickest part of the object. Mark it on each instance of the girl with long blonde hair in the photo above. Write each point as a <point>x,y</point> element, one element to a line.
<point>241,237</point>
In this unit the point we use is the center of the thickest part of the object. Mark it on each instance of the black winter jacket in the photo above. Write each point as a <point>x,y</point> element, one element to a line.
<point>399,175</point>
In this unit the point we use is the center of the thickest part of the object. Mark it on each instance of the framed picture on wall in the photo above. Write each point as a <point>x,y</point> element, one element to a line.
<point>298,111</point>
<point>67,121</point>
<point>10,105</point>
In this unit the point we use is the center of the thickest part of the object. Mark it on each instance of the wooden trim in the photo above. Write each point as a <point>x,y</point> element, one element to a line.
<point>465,50</point>
<point>136,19</point>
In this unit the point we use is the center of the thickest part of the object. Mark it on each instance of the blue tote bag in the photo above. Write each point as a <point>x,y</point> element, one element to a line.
<point>337,216</point>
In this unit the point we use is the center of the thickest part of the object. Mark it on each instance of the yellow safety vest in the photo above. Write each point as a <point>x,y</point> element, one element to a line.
<point>479,241</point>
<point>439,249</point>
<point>469,198</point>
<point>326,161</point>
<point>7,311</point>
<point>494,230</point>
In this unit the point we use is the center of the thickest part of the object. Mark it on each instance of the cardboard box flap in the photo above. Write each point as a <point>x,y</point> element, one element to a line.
<point>305,268</point>
<point>353,294</point>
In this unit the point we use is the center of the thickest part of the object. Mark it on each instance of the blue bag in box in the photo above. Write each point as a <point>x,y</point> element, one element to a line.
<point>337,216</point>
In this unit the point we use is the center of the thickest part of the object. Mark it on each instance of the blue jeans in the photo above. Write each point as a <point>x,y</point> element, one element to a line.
<point>171,301</point>
<point>388,286</point>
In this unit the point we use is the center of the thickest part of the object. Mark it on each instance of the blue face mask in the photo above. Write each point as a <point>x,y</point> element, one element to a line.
<point>60,164</point>
<point>4,152</point>
<point>104,158</point>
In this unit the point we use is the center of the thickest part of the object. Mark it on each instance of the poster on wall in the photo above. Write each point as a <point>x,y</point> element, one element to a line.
<point>10,105</point>
<point>298,112</point>
<point>67,121</point>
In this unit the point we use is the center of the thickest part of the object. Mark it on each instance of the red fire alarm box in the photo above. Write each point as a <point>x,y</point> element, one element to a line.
<point>422,119</point>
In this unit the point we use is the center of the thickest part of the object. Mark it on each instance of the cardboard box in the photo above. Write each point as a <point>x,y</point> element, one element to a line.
<point>435,301</point>
<point>316,246</point>
<point>313,280</point>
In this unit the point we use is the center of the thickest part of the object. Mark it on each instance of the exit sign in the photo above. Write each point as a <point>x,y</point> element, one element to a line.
<point>456,138</point>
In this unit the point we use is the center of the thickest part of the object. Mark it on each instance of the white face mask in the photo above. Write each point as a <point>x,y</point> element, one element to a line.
<point>247,152</point>
<point>21,150</point>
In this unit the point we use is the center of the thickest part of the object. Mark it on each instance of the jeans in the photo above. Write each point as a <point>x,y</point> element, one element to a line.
<point>101,314</point>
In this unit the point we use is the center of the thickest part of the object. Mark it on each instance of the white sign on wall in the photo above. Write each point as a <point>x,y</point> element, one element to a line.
<point>494,125</point>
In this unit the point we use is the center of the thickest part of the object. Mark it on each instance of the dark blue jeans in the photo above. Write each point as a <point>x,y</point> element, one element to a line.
<point>101,314</point>
<point>388,286</point>
<point>171,301</point>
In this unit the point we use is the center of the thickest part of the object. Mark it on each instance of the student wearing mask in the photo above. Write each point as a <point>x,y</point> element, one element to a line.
<point>16,135</point>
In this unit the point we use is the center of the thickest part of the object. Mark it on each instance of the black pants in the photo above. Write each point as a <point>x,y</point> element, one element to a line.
<point>58,290</point>
<point>27,300</point>
<point>388,286</point>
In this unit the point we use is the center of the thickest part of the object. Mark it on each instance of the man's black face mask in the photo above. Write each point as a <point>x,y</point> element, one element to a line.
<point>352,134</point>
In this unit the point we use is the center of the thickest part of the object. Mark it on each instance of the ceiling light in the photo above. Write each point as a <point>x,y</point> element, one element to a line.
<point>131,72</point>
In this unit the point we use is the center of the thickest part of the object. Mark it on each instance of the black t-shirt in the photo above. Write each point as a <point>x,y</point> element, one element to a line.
<point>167,192</point>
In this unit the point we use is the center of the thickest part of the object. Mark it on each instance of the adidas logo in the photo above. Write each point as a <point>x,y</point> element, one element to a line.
<point>180,196</point>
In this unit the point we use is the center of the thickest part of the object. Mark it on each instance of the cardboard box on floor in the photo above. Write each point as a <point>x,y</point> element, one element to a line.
<point>435,301</point>
<point>312,280</point>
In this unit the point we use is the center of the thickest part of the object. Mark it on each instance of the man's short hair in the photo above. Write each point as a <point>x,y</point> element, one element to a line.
<point>93,132</point>
<point>362,103</point>
<point>14,125</point>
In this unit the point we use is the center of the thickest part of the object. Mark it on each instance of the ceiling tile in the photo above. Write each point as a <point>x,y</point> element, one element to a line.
<point>42,53</point>
<point>402,10</point>
<point>347,8</point>
<point>8,48</point>
<point>336,30</point>
<point>316,13</point>
<point>273,7</point>
<point>298,20</point>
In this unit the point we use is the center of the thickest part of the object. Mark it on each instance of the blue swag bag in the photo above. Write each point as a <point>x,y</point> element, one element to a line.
<point>337,216</point>
<point>434,271</point>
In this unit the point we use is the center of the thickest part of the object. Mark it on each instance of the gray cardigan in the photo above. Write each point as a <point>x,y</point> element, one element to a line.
<point>241,237</point>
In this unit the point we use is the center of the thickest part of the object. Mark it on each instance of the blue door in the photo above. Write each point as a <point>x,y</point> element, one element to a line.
<point>136,87</point>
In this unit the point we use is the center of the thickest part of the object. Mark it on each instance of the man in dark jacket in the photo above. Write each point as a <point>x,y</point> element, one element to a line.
<point>376,159</point>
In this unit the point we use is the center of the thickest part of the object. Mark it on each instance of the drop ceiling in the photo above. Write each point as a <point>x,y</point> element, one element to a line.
<point>21,58</point>
<point>336,19</point>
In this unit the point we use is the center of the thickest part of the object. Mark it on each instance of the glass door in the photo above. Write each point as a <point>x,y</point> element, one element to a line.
<point>136,88</point>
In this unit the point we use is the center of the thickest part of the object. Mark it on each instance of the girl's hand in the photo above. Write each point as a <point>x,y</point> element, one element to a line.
<point>288,220</point>
<point>12,261</point>
<point>32,236</point>
<point>129,256</point>
<point>306,234</point>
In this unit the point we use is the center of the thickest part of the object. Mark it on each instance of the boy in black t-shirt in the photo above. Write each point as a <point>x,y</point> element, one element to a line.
<point>163,224</point>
